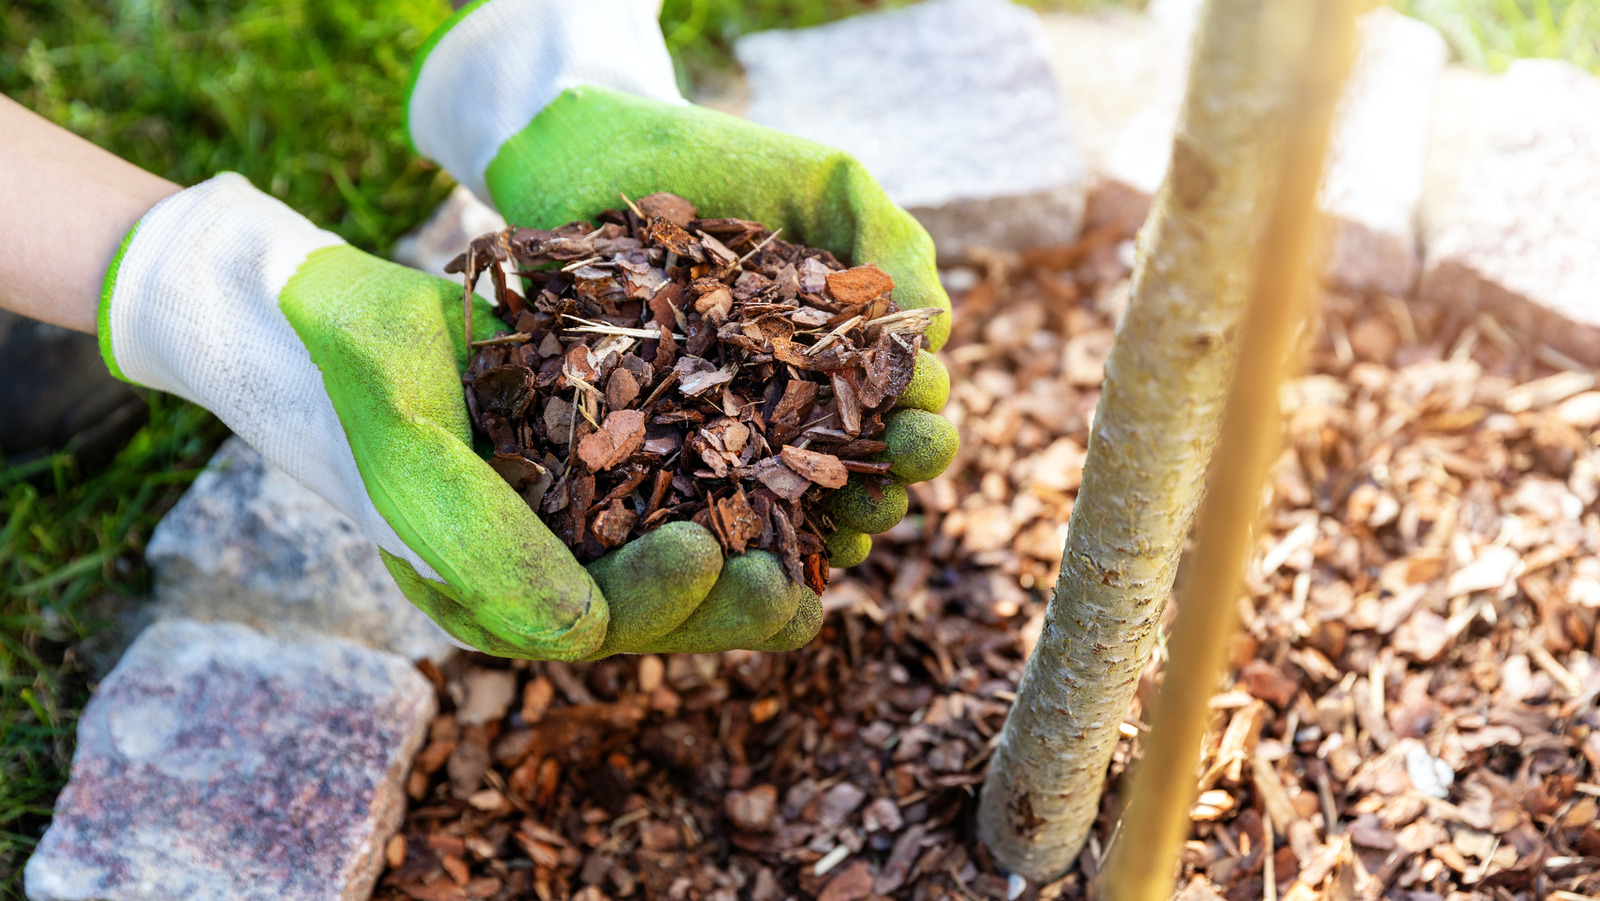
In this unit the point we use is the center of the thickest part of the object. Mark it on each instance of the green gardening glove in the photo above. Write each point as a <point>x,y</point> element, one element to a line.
<point>345,371</point>
<point>560,147</point>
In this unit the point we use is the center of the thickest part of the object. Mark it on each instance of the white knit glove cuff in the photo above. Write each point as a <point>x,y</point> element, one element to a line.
<point>193,310</point>
<point>493,70</point>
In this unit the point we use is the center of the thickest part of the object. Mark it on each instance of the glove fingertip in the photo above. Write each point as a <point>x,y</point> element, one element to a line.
<point>752,601</point>
<point>854,508</point>
<point>921,445</point>
<point>438,600</point>
<point>677,554</point>
<point>930,385</point>
<point>799,631</point>
<point>847,547</point>
<point>654,584</point>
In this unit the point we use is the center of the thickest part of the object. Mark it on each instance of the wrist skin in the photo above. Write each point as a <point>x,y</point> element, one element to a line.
<point>65,206</point>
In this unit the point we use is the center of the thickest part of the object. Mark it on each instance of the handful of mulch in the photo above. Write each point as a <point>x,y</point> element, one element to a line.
<point>664,367</point>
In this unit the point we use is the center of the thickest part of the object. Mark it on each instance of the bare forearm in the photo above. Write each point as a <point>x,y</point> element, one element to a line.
<point>65,205</point>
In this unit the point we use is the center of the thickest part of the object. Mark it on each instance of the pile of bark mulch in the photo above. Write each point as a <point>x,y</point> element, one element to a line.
<point>664,367</point>
<point>1412,714</point>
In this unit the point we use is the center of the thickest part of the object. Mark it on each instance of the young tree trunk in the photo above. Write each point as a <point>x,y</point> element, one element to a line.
<point>1165,387</point>
<point>1155,817</point>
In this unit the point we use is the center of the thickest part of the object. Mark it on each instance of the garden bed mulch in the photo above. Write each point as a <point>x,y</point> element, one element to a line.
<point>1412,713</point>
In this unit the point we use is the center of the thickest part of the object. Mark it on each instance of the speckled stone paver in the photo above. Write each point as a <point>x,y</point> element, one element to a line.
<point>949,103</point>
<point>249,544</point>
<point>1511,215</point>
<point>217,763</point>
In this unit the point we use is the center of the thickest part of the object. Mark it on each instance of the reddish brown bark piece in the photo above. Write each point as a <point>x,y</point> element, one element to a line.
<point>810,318</point>
<point>579,495</point>
<point>619,436</point>
<point>666,351</point>
<point>676,240</point>
<point>718,253</point>
<point>696,376</point>
<point>858,286</point>
<point>715,303</point>
<point>848,402</point>
<point>666,368</point>
<point>861,447</point>
<point>667,206</point>
<point>784,482</point>
<point>516,469</point>
<point>740,525</point>
<point>664,304</point>
<point>871,467</point>
<point>793,411</point>
<point>558,415</point>
<point>824,469</point>
<point>816,572</point>
<point>505,389</point>
<point>798,396</point>
<point>787,545</point>
<point>621,389</point>
<point>852,884</point>
<point>612,524</point>
<point>753,810</point>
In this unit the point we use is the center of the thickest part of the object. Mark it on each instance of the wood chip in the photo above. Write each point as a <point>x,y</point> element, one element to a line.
<point>861,285</point>
<point>618,438</point>
<point>823,469</point>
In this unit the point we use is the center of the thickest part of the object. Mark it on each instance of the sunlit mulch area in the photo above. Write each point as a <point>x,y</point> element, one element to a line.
<point>1413,713</point>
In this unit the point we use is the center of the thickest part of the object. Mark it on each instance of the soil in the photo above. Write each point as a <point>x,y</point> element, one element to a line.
<point>1411,712</point>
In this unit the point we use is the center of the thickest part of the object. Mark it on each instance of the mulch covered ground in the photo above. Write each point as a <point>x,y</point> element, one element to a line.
<point>1412,714</point>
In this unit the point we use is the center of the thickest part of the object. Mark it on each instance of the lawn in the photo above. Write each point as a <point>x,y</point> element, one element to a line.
<point>304,98</point>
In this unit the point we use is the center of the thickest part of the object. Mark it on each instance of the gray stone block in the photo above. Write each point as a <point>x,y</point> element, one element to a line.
<point>215,762</point>
<point>1511,211</point>
<point>1374,177</point>
<point>1121,75</point>
<point>949,103</point>
<point>249,544</point>
<point>55,393</point>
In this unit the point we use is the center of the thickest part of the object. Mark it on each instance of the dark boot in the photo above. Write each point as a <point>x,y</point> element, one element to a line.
<point>56,394</point>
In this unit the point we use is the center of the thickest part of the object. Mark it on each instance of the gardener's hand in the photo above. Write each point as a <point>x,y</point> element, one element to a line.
<point>552,109</point>
<point>345,370</point>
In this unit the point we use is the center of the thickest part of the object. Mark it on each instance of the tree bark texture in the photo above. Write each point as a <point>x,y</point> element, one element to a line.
<point>1154,429</point>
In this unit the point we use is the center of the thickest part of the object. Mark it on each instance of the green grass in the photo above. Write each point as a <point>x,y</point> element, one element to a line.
<point>304,98</point>
<point>68,539</point>
<point>1489,34</point>
<point>300,96</point>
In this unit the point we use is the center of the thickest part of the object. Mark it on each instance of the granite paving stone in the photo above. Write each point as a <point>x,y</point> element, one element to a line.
<point>1511,212</point>
<point>217,763</point>
<point>949,103</point>
<point>248,543</point>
